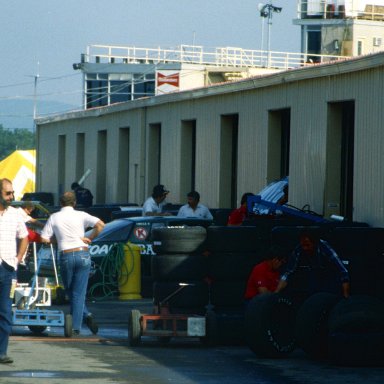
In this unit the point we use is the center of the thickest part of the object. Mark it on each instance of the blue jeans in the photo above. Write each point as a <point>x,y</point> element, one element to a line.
<point>74,270</point>
<point>5,308</point>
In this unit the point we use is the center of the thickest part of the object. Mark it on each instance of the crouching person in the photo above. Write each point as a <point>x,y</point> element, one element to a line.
<point>265,276</point>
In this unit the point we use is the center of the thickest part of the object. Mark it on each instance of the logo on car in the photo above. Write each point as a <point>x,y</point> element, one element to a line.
<point>140,233</point>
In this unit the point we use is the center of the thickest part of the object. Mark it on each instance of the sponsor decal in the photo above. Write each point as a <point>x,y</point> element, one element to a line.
<point>140,233</point>
<point>104,249</point>
<point>100,250</point>
<point>146,249</point>
<point>163,79</point>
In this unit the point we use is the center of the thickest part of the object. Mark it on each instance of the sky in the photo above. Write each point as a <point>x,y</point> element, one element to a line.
<point>41,39</point>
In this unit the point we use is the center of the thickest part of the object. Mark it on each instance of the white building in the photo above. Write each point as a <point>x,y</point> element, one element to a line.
<point>322,125</point>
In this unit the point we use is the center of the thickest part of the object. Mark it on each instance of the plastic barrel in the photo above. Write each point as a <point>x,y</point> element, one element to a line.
<point>130,274</point>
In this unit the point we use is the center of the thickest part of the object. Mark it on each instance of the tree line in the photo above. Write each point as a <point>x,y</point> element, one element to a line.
<point>15,139</point>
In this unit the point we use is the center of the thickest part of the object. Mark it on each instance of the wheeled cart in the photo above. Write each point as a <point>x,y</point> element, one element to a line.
<point>165,325</point>
<point>31,302</point>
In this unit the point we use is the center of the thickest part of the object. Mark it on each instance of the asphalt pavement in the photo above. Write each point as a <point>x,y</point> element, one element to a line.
<point>107,358</point>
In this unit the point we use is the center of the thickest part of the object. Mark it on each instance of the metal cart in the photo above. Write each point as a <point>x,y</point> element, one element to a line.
<point>31,302</point>
<point>165,325</point>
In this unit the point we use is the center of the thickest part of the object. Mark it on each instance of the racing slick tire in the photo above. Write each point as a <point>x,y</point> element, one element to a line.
<point>357,313</point>
<point>178,267</point>
<point>312,324</point>
<point>178,240</point>
<point>357,332</point>
<point>234,239</point>
<point>270,325</point>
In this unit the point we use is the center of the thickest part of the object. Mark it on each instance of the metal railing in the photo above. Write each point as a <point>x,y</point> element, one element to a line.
<point>220,57</point>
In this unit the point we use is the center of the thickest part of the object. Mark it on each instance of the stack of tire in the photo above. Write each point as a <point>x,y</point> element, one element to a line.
<point>180,266</point>
<point>326,326</point>
<point>232,252</point>
<point>347,332</point>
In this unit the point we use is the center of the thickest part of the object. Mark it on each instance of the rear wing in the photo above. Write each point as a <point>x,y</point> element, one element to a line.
<point>256,200</point>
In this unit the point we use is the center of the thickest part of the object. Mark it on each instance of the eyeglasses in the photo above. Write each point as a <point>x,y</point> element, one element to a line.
<point>9,193</point>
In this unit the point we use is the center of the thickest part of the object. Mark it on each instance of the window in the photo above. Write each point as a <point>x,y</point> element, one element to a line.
<point>359,47</point>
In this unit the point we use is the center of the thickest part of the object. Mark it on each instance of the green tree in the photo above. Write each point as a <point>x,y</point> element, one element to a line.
<point>15,139</point>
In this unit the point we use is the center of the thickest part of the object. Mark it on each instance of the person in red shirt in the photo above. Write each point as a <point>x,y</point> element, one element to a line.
<point>237,216</point>
<point>265,276</point>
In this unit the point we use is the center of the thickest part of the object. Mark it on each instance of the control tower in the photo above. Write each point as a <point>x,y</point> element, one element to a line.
<point>340,27</point>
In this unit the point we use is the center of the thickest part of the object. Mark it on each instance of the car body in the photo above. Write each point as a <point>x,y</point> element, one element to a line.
<point>136,230</point>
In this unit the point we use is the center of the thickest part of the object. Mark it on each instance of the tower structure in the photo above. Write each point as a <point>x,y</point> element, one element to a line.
<point>340,27</point>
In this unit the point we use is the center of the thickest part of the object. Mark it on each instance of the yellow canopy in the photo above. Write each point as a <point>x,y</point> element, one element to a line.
<point>20,168</point>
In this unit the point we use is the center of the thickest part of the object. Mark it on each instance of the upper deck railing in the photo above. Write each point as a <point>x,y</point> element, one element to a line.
<point>340,9</point>
<point>219,57</point>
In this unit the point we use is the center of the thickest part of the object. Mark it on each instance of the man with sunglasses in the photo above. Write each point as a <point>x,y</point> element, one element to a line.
<point>13,245</point>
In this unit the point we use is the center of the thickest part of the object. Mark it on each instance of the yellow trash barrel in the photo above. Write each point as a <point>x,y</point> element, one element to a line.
<point>130,274</point>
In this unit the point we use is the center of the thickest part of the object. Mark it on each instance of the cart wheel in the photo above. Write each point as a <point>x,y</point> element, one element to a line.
<point>37,328</point>
<point>68,325</point>
<point>134,328</point>
<point>211,334</point>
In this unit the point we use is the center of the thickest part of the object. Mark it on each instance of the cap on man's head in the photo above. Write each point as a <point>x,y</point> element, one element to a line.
<point>159,190</point>
<point>75,185</point>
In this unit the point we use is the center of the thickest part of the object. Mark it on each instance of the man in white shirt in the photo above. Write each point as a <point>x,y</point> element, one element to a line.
<point>69,226</point>
<point>153,206</point>
<point>193,208</point>
<point>13,245</point>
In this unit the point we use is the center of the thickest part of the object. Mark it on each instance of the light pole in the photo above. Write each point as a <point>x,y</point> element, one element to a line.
<point>35,97</point>
<point>266,11</point>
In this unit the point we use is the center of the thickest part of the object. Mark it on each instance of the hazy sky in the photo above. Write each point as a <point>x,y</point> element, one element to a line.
<point>54,33</point>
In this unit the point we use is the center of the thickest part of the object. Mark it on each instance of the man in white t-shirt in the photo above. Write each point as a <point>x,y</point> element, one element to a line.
<point>153,206</point>
<point>193,208</point>
<point>68,226</point>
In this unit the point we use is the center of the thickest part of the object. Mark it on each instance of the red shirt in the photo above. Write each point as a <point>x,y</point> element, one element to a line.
<point>237,216</point>
<point>262,275</point>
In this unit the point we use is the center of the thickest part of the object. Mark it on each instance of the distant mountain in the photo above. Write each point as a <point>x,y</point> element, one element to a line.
<point>19,113</point>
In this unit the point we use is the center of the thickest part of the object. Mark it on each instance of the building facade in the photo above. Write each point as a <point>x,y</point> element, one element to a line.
<point>322,125</point>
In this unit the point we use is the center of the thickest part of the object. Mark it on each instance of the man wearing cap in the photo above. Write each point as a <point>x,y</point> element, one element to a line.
<point>153,206</point>
<point>84,196</point>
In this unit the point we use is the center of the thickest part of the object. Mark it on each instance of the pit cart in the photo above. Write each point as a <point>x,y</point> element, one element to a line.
<point>30,302</point>
<point>165,325</point>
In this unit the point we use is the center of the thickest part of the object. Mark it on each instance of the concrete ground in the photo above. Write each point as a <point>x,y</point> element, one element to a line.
<point>107,358</point>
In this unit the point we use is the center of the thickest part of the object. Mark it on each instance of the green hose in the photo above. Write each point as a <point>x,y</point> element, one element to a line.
<point>113,269</point>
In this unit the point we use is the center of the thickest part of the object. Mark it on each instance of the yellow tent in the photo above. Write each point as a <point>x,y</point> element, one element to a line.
<point>19,167</point>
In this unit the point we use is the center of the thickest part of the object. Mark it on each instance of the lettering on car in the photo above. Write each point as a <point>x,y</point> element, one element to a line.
<point>104,249</point>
